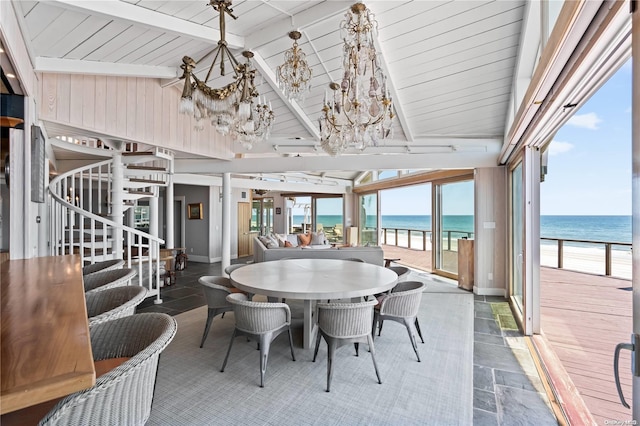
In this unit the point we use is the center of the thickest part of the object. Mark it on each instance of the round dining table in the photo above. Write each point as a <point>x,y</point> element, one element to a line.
<point>311,280</point>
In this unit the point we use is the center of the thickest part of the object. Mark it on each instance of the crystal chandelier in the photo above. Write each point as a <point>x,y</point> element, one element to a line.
<point>235,108</point>
<point>294,76</point>
<point>359,112</point>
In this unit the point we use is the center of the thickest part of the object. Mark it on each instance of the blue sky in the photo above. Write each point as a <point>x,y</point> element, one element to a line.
<point>589,165</point>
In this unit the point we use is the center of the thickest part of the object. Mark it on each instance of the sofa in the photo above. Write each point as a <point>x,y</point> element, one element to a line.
<point>261,253</point>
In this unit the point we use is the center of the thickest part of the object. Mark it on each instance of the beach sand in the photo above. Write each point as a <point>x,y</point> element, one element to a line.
<point>581,259</point>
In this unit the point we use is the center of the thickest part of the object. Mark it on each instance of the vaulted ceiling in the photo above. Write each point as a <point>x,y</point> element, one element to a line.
<point>452,65</point>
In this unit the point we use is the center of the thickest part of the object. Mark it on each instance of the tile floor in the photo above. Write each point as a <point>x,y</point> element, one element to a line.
<point>506,387</point>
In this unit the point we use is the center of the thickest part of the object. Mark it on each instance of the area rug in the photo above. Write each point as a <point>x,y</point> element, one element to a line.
<point>191,390</point>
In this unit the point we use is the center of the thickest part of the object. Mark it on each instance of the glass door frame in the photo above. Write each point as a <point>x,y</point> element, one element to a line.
<point>529,315</point>
<point>436,221</point>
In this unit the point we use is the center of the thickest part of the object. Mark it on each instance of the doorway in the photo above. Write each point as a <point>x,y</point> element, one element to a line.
<point>245,248</point>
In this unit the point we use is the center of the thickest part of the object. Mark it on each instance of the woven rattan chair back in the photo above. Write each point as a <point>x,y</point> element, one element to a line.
<point>344,323</point>
<point>113,303</point>
<point>103,280</point>
<point>260,320</point>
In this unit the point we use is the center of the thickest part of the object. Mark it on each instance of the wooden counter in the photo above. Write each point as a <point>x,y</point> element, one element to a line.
<point>45,345</point>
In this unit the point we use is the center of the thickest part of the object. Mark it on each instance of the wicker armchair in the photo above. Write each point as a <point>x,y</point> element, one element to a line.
<point>123,395</point>
<point>264,321</point>
<point>233,267</point>
<point>103,266</point>
<point>113,303</point>
<point>401,305</point>
<point>402,271</point>
<point>344,323</point>
<point>216,289</point>
<point>103,280</point>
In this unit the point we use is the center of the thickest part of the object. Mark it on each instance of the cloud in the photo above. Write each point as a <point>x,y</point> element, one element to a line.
<point>588,121</point>
<point>558,147</point>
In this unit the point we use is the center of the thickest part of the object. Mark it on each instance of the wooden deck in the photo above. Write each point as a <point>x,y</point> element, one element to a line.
<point>584,316</point>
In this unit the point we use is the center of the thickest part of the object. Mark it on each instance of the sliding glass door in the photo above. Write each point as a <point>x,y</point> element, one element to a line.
<point>516,231</point>
<point>453,220</point>
<point>368,214</point>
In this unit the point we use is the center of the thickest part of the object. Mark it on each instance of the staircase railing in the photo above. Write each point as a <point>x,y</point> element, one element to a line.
<point>76,230</point>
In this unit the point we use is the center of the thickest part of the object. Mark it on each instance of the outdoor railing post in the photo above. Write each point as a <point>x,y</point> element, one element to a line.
<point>607,259</point>
<point>448,240</point>
<point>560,253</point>
<point>409,238</point>
<point>424,240</point>
<point>395,231</point>
<point>384,231</point>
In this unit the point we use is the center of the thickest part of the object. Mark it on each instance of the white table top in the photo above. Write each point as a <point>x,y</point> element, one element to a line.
<point>314,279</point>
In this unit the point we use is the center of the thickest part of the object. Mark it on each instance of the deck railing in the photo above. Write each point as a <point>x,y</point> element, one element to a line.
<point>600,257</point>
<point>582,253</point>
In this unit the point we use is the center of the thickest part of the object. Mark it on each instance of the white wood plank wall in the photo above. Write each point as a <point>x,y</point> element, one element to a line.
<point>490,251</point>
<point>127,108</point>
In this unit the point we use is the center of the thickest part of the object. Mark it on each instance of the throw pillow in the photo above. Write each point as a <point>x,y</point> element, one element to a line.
<point>288,244</point>
<point>292,239</point>
<point>304,239</point>
<point>318,238</point>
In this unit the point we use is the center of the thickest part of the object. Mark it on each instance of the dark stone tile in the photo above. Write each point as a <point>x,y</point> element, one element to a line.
<point>480,306</point>
<point>512,333</point>
<point>496,299</point>
<point>186,303</point>
<point>484,315</point>
<point>484,400</point>
<point>484,418</point>
<point>488,338</point>
<point>180,292</point>
<point>478,298</point>
<point>522,407</point>
<point>494,356</point>
<point>157,308</point>
<point>483,378</point>
<point>515,380</point>
<point>486,326</point>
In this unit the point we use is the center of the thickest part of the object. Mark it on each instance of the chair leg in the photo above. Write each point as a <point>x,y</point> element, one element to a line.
<point>315,353</point>
<point>373,357</point>
<point>331,349</point>
<point>418,329</point>
<point>207,327</point>
<point>224,364</point>
<point>265,343</point>
<point>357,346</point>
<point>412,335</point>
<point>293,356</point>
<point>374,325</point>
<point>380,322</point>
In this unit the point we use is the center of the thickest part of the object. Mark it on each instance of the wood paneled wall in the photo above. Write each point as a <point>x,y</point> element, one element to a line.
<point>491,231</point>
<point>127,108</point>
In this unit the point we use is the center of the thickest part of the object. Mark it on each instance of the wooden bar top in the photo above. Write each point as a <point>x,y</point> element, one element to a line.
<point>45,346</point>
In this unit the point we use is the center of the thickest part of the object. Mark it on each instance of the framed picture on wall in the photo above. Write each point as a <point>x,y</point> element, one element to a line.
<point>278,210</point>
<point>194,211</point>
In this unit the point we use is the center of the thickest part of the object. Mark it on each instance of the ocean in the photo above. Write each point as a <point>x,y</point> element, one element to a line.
<point>592,228</point>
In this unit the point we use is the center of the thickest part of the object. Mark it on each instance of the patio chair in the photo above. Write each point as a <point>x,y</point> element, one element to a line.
<point>216,289</point>
<point>122,395</point>
<point>102,266</point>
<point>341,324</point>
<point>103,280</point>
<point>112,303</point>
<point>264,321</point>
<point>401,305</point>
<point>402,271</point>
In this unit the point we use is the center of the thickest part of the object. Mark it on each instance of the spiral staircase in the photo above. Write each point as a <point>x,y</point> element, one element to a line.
<point>89,205</point>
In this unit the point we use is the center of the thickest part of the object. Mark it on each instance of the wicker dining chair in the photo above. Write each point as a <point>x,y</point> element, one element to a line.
<point>233,267</point>
<point>401,305</point>
<point>103,280</point>
<point>401,271</point>
<point>341,324</point>
<point>124,394</point>
<point>216,289</point>
<point>105,265</point>
<point>264,321</point>
<point>112,303</point>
